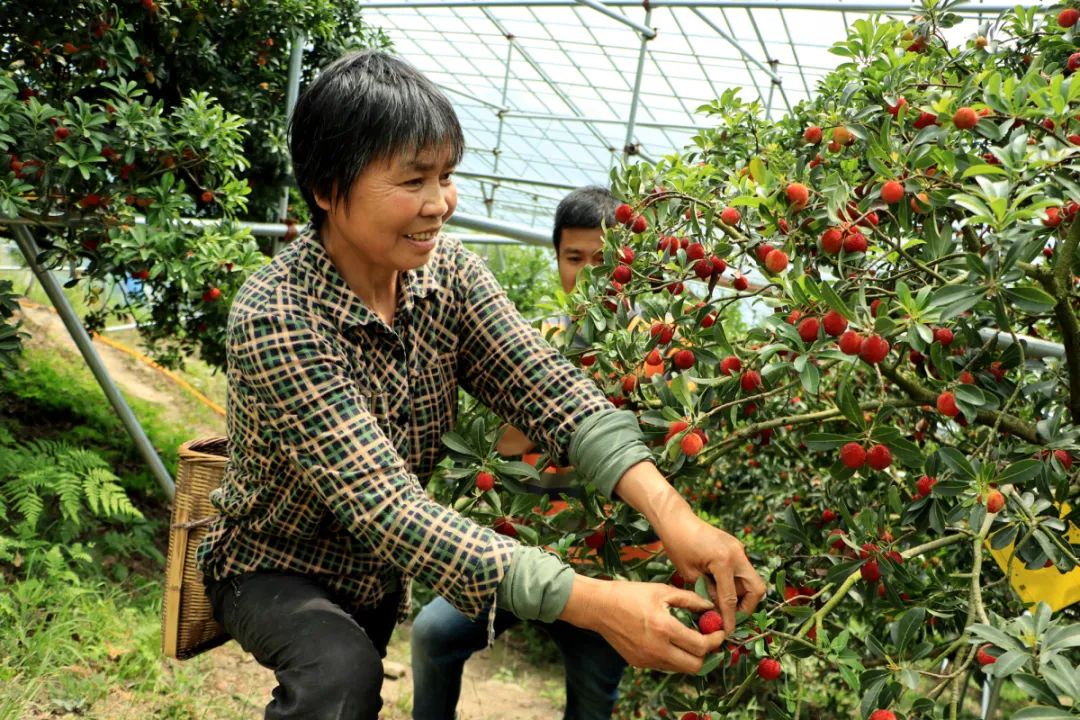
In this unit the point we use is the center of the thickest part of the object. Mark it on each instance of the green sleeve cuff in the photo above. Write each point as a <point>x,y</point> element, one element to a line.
<point>536,586</point>
<point>605,446</point>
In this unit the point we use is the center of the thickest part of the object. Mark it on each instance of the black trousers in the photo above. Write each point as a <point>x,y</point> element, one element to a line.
<point>328,661</point>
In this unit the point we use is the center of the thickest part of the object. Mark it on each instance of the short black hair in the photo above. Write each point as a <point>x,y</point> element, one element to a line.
<point>365,107</point>
<point>586,207</point>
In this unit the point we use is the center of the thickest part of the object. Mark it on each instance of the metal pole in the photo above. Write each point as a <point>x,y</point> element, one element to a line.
<point>505,229</point>
<point>645,30</point>
<point>490,201</point>
<point>599,120</point>
<point>292,92</point>
<point>517,180</point>
<point>25,240</point>
<point>1033,347</point>
<point>637,86</point>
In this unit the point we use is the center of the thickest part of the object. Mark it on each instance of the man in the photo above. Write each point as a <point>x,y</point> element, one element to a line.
<point>443,638</point>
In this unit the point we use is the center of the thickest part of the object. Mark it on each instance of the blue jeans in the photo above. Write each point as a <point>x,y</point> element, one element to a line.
<point>443,638</point>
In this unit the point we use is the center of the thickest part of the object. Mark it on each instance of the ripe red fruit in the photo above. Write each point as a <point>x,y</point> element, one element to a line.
<point>832,240</point>
<point>798,195</point>
<point>730,365</point>
<point>629,383</point>
<point>640,223</point>
<point>925,119</point>
<point>625,255</point>
<point>708,321</point>
<point>710,622</point>
<point>769,669</point>
<point>883,715</point>
<point>894,110</point>
<point>834,323</point>
<point>925,485</point>
<point>675,428</point>
<point>596,540</point>
<point>985,658</point>
<point>703,269</point>
<point>1074,62</point>
<point>879,457</point>
<point>855,242</point>
<point>484,481</point>
<point>61,133</point>
<point>207,196</point>
<point>750,381</point>
<point>211,295</point>
<point>946,404</point>
<point>842,136</point>
<point>691,444</point>
<point>967,378</point>
<point>588,360</point>
<point>684,359</point>
<point>808,329</point>
<point>1053,217</point>
<point>653,358</point>
<point>944,336</point>
<point>1064,458</point>
<point>740,283</point>
<point>776,261</point>
<point>850,343</point>
<point>828,515</point>
<point>853,455</point>
<point>622,274</point>
<point>965,118</point>
<point>870,571</point>
<point>1068,17</point>
<point>892,192</point>
<point>812,135</point>
<point>503,526</point>
<point>874,349</point>
<point>719,266</point>
<point>995,501</point>
<point>730,216</point>
<point>763,251</point>
<point>624,214</point>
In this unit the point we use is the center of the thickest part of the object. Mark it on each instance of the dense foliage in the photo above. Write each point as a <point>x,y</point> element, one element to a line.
<point>884,429</point>
<point>115,112</point>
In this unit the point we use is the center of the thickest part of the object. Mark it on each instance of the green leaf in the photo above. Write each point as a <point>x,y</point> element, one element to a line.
<point>1020,472</point>
<point>956,462</point>
<point>1041,712</point>
<point>810,377</point>
<point>457,443</point>
<point>825,441</point>
<point>1008,663</point>
<point>845,402</point>
<point>1030,299</point>
<point>971,394</point>
<point>906,627</point>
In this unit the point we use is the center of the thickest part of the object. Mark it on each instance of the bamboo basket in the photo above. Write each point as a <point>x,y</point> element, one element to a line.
<point>187,623</point>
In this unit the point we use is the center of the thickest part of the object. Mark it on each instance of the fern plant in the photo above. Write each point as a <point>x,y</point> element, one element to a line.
<point>51,495</point>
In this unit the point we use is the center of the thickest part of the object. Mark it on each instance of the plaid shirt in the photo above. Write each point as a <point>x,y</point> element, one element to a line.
<point>335,422</point>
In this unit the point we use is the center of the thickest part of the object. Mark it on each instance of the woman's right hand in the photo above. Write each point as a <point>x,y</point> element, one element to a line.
<point>634,618</point>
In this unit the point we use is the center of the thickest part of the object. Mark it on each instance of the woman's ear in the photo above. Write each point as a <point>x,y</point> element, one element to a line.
<point>323,202</point>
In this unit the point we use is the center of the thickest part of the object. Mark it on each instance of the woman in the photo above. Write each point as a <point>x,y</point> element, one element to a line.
<point>345,356</point>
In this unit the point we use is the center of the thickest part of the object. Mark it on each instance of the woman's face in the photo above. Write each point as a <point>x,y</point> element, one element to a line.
<point>395,210</point>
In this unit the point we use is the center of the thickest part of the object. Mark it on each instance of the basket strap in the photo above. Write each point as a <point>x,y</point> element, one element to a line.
<point>201,522</point>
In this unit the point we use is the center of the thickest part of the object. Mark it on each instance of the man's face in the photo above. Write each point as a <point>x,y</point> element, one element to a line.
<point>577,248</point>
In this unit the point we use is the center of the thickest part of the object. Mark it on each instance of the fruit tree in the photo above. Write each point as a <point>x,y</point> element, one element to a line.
<point>881,435</point>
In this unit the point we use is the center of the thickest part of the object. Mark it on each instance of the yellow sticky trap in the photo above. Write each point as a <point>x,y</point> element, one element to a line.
<point>1056,589</point>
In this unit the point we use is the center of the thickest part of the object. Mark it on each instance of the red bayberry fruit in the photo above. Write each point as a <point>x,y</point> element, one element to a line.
<point>892,192</point>
<point>691,444</point>
<point>596,540</point>
<point>1068,17</point>
<point>925,485</point>
<point>708,321</point>
<point>730,216</point>
<point>944,336</point>
<point>1064,458</point>
<point>750,381</point>
<point>684,359</point>
<point>853,455</point>
<point>776,261</point>
<point>1053,217</point>
<point>842,136</point>
<point>624,214</point>
<point>653,358</point>
<point>965,118</point>
<point>812,135</point>
<point>883,715</point>
<point>629,384</point>
<point>710,622</point>
<point>967,378</point>
<point>946,404</point>
<point>675,428</point>
<point>855,242</point>
<point>984,657</point>
<point>832,240</point>
<point>639,225</point>
<point>798,195</point>
<point>828,515</point>
<point>504,526</point>
<point>211,295</point>
<point>730,365</point>
<point>484,481</point>
<point>995,501</point>
<point>834,323</point>
<point>769,669</point>
<point>874,349</point>
<point>808,329</point>
<point>695,251</point>
<point>879,457</point>
<point>622,274</point>
<point>588,360</point>
<point>740,283</point>
<point>625,255</point>
<point>925,119</point>
<point>763,251</point>
<point>850,343</point>
<point>718,264</point>
<point>870,571</point>
<point>207,196</point>
<point>894,110</point>
<point>61,133</point>
<point>1073,62</point>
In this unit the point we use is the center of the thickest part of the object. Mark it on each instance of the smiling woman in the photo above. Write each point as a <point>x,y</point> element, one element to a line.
<point>345,355</point>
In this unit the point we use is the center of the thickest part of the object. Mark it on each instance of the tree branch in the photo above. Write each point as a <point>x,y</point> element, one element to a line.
<point>1057,283</point>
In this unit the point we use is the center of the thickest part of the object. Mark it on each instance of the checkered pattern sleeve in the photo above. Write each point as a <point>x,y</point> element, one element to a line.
<point>508,365</point>
<point>333,441</point>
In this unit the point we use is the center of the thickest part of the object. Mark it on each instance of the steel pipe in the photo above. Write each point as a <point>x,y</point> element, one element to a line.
<point>25,240</point>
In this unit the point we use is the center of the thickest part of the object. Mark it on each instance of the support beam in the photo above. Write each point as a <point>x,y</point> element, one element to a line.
<point>504,229</point>
<point>25,240</point>
<point>494,177</point>
<point>628,144</point>
<point>514,114</point>
<point>645,30</point>
<point>735,44</point>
